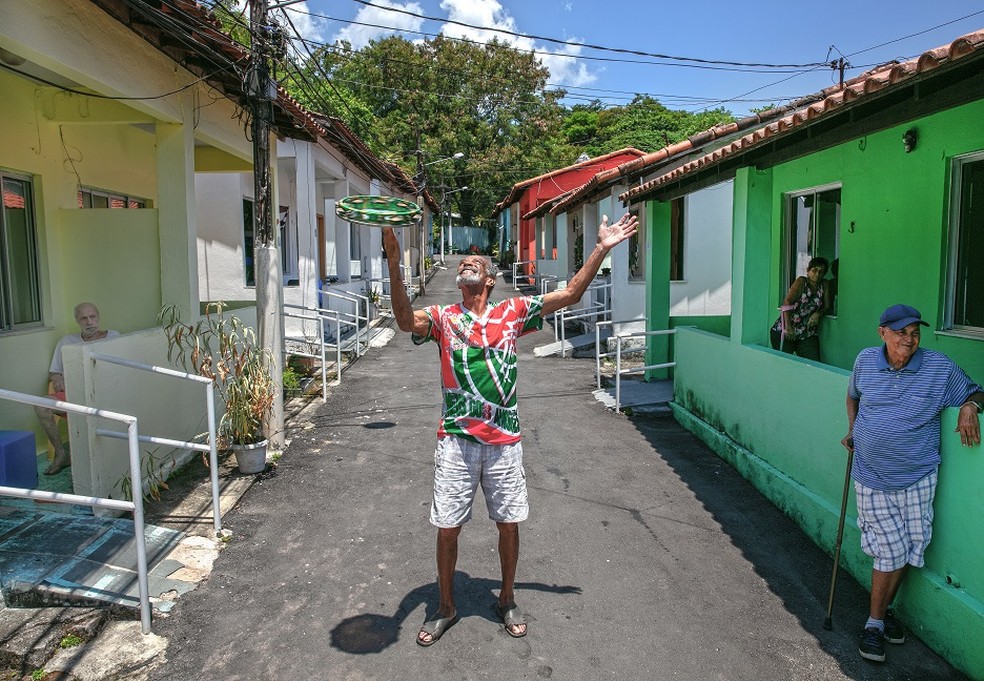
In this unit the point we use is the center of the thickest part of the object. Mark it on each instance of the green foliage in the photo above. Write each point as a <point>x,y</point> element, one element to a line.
<point>489,102</point>
<point>154,470</point>
<point>644,123</point>
<point>71,641</point>
<point>292,382</point>
<point>221,347</point>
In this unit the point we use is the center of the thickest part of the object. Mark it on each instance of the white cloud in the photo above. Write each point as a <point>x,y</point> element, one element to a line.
<point>310,27</point>
<point>490,14</point>
<point>567,71</point>
<point>394,22</point>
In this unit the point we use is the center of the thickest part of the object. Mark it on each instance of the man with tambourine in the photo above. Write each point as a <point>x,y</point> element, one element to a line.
<point>479,434</point>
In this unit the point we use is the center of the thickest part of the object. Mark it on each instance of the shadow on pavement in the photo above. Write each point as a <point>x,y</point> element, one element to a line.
<point>372,633</point>
<point>793,567</point>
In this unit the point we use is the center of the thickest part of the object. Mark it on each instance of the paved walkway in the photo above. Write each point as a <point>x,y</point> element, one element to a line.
<point>645,557</point>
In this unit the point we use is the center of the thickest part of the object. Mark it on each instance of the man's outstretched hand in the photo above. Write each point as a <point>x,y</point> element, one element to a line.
<point>610,236</point>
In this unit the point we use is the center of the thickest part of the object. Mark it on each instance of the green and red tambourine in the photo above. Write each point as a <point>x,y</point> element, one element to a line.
<point>379,211</point>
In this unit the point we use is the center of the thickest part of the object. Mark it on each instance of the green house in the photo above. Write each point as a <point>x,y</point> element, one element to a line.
<point>884,174</point>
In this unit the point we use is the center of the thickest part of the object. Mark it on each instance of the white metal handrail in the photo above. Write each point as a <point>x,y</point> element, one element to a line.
<point>619,371</point>
<point>515,270</point>
<point>595,310</point>
<point>320,321</point>
<point>211,447</point>
<point>545,280</point>
<point>135,506</point>
<point>350,319</point>
<point>320,316</point>
<point>598,353</point>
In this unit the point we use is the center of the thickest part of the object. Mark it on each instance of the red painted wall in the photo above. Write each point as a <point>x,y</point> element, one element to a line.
<point>548,188</point>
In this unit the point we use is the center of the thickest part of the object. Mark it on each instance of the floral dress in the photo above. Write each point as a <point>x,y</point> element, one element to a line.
<point>808,303</point>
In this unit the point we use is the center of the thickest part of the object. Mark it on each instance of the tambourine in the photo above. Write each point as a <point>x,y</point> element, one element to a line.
<point>378,211</point>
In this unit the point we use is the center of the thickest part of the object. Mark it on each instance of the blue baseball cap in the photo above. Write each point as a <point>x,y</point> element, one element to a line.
<point>900,316</point>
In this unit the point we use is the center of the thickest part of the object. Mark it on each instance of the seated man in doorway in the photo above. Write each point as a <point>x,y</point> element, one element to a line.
<point>87,317</point>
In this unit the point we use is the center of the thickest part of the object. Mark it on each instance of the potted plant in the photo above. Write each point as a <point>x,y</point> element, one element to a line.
<point>219,346</point>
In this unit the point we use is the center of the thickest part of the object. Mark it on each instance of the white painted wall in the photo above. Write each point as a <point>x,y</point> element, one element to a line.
<point>164,406</point>
<point>706,289</point>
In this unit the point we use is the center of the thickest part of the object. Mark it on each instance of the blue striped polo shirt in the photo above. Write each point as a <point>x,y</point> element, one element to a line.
<point>897,430</point>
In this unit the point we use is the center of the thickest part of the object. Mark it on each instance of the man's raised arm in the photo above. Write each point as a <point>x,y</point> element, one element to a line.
<point>406,318</point>
<point>608,238</point>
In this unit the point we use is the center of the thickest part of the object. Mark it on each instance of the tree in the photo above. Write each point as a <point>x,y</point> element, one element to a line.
<point>488,102</point>
<point>644,123</point>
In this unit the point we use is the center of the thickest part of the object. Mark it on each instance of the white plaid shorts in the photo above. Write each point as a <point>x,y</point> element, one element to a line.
<point>461,465</point>
<point>897,525</point>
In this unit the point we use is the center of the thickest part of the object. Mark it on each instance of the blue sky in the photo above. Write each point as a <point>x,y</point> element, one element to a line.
<point>760,32</point>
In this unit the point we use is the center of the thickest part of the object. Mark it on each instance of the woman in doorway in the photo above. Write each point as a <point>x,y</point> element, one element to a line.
<point>797,329</point>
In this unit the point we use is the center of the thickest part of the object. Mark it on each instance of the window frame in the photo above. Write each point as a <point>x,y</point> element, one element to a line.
<point>953,247</point>
<point>638,247</point>
<point>86,194</point>
<point>7,323</point>
<point>678,238</point>
<point>788,267</point>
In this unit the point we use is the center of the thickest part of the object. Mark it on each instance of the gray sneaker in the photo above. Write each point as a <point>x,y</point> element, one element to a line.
<point>871,646</point>
<point>894,632</point>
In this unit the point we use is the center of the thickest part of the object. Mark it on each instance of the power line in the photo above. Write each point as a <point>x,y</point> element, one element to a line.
<point>709,65</point>
<point>602,48</point>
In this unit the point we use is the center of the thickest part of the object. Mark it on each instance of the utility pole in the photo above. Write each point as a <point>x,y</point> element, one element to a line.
<point>421,181</point>
<point>266,257</point>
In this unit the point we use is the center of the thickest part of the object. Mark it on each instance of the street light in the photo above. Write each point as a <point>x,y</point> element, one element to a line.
<point>453,157</point>
<point>443,199</point>
<point>421,186</point>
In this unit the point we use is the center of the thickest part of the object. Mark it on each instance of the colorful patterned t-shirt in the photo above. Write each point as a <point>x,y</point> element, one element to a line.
<point>478,366</point>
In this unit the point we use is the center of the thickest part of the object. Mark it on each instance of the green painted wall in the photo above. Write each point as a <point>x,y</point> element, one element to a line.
<point>719,324</point>
<point>779,419</point>
<point>779,422</point>
<point>898,203</point>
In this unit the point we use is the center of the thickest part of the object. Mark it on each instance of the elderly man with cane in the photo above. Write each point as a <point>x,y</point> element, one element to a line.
<point>895,398</point>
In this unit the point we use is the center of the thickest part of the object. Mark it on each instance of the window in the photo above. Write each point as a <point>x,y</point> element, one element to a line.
<point>965,277</point>
<point>637,249</point>
<point>812,230</point>
<point>355,251</point>
<point>20,287</point>
<point>94,198</point>
<point>677,223</point>
<point>248,242</point>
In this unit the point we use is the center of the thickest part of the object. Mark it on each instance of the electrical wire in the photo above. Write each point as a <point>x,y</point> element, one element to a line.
<point>557,41</point>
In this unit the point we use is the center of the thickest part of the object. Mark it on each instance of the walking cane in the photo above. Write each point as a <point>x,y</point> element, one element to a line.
<point>840,535</point>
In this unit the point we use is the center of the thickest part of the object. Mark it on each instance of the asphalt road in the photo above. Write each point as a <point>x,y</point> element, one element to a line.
<point>645,556</point>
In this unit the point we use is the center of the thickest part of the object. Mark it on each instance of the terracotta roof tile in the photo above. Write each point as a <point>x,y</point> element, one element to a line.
<point>653,160</point>
<point>517,189</point>
<point>826,101</point>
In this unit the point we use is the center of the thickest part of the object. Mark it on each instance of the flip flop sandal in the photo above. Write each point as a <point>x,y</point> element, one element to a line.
<point>435,628</point>
<point>511,616</point>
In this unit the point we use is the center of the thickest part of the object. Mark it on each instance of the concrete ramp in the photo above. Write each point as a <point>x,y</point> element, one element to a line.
<point>569,345</point>
<point>81,560</point>
<point>639,395</point>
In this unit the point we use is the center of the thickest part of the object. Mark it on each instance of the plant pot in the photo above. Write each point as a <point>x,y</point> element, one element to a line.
<point>251,458</point>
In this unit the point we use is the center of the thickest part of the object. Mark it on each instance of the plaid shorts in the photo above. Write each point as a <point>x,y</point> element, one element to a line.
<point>460,465</point>
<point>897,525</point>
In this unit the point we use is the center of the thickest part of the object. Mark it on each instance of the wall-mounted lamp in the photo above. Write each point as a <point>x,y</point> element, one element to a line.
<point>909,139</point>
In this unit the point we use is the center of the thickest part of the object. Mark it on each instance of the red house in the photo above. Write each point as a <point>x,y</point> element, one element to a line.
<point>531,193</point>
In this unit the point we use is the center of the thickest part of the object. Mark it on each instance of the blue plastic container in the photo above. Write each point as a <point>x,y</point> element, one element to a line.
<point>18,459</point>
